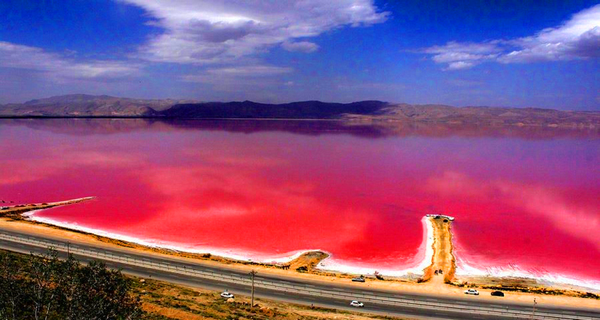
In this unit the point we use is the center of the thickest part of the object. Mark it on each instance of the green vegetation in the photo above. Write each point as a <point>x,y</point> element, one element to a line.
<point>44,287</point>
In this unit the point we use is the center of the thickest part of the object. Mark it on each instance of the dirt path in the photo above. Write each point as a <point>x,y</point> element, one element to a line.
<point>443,264</point>
<point>16,211</point>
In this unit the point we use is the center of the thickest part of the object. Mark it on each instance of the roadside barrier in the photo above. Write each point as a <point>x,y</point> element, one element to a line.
<point>228,276</point>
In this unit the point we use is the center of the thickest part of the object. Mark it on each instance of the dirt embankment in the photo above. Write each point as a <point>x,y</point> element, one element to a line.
<point>17,211</point>
<point>306,262</point>
<point>443,263</point>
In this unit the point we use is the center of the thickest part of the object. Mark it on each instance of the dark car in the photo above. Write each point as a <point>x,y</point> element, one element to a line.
<point>359,279</point>
<point>498,293</point>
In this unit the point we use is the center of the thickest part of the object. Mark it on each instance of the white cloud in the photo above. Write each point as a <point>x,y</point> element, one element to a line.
<point>60,67</point>
<point>228,35</point>
<point>253,78</point>
<point>300,46</point>
<point>232,74</point>
<point>457,65</point>
<point>577,38</point>
<point>257,70</point>
<point>221,31</point>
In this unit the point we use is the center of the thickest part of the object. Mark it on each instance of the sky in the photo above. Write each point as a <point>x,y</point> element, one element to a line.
<point>464,53</point>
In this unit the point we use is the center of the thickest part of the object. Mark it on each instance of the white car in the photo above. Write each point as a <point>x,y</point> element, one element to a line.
<point>357,304</point>
<point>472,291</point>
<point>226,295</point>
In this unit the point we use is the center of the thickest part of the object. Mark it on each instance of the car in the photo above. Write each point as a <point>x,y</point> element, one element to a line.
<point>472,291</point>
<point>227,295</point>
<point>359,279</point>
<point>498,293</point>
<point>357,304</point>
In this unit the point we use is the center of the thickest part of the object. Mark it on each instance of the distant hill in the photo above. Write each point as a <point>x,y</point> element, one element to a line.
<point>362,112</point>
<point>82,105</point>
<point>481,116</point>
<point>294,110</point>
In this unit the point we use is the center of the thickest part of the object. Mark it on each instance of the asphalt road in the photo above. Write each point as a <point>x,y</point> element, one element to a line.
<point>299,291</point>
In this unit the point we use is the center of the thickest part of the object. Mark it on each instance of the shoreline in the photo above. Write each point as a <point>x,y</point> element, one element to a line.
<point>346,119</point>
<point>415,271</point>
<point>328,264</point>
<point>391,285</point>
<point>559,281</point>
<point>231,254</point>
<point>307,263</point>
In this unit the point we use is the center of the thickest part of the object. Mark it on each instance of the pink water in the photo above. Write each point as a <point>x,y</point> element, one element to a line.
<point>521,205</point>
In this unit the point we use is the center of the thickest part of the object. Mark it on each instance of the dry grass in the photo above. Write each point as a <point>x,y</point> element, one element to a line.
<point>163,301</point>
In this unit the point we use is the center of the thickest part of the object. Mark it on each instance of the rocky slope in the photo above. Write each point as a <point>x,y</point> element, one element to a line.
<point>81,105</point>
<point>364,112</point>
<point>494,116</point>
<point>294,110</point>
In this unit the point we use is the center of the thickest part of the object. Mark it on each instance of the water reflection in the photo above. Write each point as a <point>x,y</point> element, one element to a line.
<point>113,126</point>
<point>269,188</point>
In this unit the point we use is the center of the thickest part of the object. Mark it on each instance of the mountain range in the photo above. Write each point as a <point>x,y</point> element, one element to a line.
<point>364,112</point>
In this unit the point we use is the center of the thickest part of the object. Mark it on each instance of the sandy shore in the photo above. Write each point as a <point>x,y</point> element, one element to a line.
<point>443,263</point>
<point>305,267</point>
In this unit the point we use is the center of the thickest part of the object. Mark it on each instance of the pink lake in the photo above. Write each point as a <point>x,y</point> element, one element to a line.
<point>526,203</point>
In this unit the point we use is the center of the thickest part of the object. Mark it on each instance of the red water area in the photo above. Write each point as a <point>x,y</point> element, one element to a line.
<point>527,203</point>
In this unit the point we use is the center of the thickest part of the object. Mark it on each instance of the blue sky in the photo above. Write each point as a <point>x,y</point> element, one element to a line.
<point>495,53</point>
